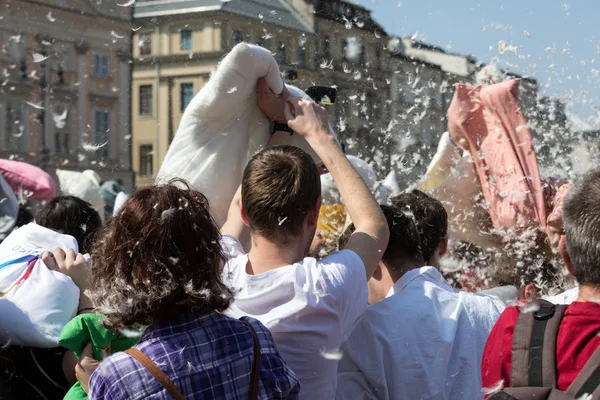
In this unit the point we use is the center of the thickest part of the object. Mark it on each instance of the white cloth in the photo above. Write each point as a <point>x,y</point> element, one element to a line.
<point>566,297</point>
<point>85,185</point>
<point>223,127</point>
<point>119,201</point>
<point>39,301</point>
<point>424,341</point>
<point>329,190</point>
<point>309,307</point>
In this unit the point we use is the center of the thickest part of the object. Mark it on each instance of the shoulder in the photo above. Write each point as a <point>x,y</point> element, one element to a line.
<point>344,264</point>
<point>116,376</point>
<point>265,339</point>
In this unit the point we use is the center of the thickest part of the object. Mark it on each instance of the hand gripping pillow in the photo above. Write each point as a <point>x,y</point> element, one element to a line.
<point>23,177</point>
<point>35,302</point>
<point>223,127</point>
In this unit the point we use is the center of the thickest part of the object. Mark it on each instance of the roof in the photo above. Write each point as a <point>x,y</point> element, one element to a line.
<point>342,11</point>
<point>276,12</point>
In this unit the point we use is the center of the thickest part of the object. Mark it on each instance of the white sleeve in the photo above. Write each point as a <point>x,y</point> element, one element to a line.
<point>344,279</point>
<point>231,246</point>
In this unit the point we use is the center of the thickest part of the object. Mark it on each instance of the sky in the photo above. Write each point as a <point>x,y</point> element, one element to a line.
<point>555,41</point>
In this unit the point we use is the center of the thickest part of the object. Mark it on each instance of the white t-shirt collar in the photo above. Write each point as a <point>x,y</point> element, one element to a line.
<point>429,273</point>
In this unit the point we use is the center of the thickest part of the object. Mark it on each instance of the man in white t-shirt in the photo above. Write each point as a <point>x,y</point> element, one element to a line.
<point>419,338</point>
<point>309,306</point>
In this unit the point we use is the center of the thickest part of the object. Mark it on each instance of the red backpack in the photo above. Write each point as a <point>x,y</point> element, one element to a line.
<point>533,364</point>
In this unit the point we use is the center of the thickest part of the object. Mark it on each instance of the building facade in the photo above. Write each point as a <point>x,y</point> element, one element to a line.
<point>65,85</point>
<point>393,93</point>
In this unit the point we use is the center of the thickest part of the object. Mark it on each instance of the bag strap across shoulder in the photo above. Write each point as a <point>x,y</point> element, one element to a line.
<point>170,387</point>
<point>255,377</point>
<point>533,361</point>
<point>156,372</point>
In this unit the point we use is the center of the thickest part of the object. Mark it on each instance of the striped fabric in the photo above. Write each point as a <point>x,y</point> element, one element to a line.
<point>206,357</point>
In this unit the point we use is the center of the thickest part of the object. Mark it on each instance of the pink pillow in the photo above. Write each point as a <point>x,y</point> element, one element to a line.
<point>36,183</point>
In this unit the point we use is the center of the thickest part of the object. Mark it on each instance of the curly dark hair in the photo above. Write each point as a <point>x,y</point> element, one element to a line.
<point>158,258</point>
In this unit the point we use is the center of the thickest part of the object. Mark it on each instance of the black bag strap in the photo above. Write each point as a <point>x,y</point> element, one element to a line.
<point>501,396</point>
<point>533,362</point>
<point>588,379</point>
<point>255,377</point>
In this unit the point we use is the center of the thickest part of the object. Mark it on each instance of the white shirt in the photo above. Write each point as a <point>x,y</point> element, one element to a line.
<point>424,341</point>
<point>566,297</point>
<point>309,307</point>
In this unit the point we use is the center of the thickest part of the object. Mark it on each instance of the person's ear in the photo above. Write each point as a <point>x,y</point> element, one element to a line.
<point>243,214</point>
<point>378,274</point>
<point>531,292</point>
<point>443,246</point>
<point>562,250</point>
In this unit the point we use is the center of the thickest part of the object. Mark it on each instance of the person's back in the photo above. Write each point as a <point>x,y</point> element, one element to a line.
<point>206,357</point>
<point>309,306</point>
<point>417,324</point>
<point>577,337</point>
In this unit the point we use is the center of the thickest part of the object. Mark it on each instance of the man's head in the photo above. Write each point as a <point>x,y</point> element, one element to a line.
<point>281,195</point>
<point>432,223</point>
<point>581,216</point>
<point>402,254</point>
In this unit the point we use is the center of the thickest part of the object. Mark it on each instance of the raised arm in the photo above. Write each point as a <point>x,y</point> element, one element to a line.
<point>235,225</point>
<point>370,239</point>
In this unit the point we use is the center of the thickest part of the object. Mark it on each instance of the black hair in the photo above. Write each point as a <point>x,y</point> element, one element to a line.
<point>404,243</point>
<point>72,216</point>
<point>430,216</point>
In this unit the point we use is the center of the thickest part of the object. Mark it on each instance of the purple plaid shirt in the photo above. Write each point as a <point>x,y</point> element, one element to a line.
<point>206,357</point>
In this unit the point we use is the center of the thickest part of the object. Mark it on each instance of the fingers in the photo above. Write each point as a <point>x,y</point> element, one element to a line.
<point>70,257</point>
<point>60,256</point>
<point>289,114</point>
<point>49,261</point>
<point>80,259</point>
<point>88,351</point>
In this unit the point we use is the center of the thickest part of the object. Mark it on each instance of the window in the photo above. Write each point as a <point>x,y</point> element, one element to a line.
<point>352,50</point>
<point>186,39</point>
<point>100,65</point>
<point>187,94</point>
<point>15,46</point>
<point>281,52</point>
<point>301,56</point>
<point>377,57</point>
<point>145,45</point>
<point>14,125</point>
<point>146,153</point>
<point>146,100</point>
<point>102,129</point>
<point>61,118</point>
<point>238,37</point>
<point>325,49</point>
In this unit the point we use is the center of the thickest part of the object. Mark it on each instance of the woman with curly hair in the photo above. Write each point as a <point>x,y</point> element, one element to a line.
<point>158,266</point>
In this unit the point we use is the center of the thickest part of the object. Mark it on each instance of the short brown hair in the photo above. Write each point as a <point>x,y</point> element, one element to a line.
<point>280,186</point>
<point>430,216</point>
<point>158,258</point>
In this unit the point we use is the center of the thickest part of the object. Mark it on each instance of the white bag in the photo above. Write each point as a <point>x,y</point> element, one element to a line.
<point>36,302</point>
<point>223,127</point>
<point>85,185</point>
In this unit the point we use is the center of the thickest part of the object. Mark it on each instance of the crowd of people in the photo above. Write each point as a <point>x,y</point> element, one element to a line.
<point>242,311</point>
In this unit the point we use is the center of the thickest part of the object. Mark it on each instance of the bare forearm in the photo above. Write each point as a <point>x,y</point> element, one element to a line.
<point>358,200</point>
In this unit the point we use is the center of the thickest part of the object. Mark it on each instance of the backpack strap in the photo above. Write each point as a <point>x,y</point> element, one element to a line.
<point>588,379</point>
<point>533,362</point>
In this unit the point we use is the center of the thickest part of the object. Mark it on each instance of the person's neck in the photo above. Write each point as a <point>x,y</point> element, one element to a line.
<point>265,255</point>
<point>589,293</point>
<point>395,275</point>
